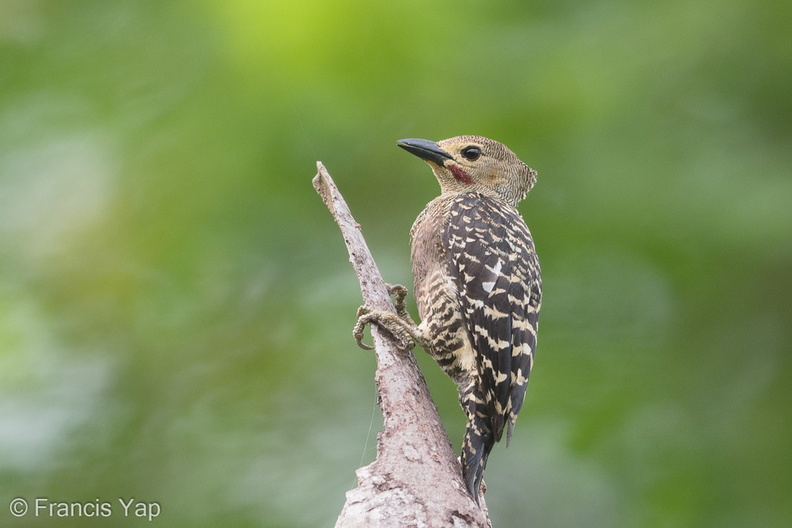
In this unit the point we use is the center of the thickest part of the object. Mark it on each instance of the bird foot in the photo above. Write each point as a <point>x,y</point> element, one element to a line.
<point>400,325</point>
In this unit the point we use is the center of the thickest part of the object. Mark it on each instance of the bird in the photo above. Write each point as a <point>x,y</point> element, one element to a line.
<point>477,286</point>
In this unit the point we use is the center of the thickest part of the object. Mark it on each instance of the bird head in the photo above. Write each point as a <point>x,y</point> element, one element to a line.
<point>475,163</point>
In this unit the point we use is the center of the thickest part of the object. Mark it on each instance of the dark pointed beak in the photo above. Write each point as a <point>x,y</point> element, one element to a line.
<point>426,150</point>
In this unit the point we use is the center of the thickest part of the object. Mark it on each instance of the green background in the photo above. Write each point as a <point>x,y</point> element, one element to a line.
<point>176,303</point>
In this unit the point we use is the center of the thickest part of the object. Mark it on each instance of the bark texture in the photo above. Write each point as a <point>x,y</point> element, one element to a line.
<point>416,479</point>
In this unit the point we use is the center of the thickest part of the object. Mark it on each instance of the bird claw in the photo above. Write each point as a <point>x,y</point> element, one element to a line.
<point>361,344</point>
<point>357,332</point>
<point>394,324</point>
<point>399,325</point>
<point>399,294</point>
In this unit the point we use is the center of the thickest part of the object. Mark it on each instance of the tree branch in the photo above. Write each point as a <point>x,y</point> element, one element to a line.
<point>416,478</point>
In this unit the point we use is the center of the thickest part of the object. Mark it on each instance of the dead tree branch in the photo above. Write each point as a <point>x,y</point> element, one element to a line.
<point>416,478</point>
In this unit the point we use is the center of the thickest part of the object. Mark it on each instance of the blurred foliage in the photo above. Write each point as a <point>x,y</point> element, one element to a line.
<point>176,304</point>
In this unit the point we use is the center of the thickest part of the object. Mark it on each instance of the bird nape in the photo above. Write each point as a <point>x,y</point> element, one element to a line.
<point>477,286</point>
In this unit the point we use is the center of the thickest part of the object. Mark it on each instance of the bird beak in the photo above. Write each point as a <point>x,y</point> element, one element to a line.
<point>426,150</point>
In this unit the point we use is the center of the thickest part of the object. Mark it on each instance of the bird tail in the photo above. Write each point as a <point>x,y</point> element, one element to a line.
<point>476,447</point>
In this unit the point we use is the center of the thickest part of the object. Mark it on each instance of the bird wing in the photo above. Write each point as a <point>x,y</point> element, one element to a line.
<point>493,260</point>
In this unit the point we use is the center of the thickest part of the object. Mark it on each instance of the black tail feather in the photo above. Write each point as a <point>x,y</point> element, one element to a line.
<point>475,451</point>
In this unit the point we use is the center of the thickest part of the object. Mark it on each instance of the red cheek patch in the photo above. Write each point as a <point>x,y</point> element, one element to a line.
<point>459,174</point>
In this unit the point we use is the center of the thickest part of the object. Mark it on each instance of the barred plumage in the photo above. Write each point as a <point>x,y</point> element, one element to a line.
<point>477,286</point>
<point>494,264</point>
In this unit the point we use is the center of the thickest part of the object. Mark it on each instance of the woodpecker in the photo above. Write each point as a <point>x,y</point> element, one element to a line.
<point>477,286</point>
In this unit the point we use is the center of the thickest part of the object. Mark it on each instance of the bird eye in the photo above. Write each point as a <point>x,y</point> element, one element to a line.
<point>471,153</point>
